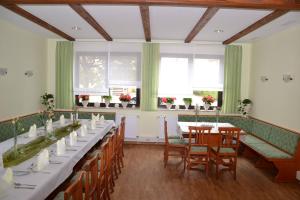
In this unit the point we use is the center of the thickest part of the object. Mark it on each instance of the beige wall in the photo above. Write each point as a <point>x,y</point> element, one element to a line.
<point>21,50</point>
<point>276,101</point>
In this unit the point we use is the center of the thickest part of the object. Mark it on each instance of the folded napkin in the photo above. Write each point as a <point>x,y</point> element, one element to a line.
<point>76,116</point>
<point>8,176</point>
<point>83,130</point>
<point>73,138</point>
<point>60,147</point>
<point>71,117</point>
<point>93,124</point>
<point>102,120</point>
<point>62,120</point>
<point>42,160</point>
<point>95,117</point>
<point>32,131</point>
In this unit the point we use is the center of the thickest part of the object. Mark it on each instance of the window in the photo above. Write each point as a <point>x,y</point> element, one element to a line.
<point>90,73</point>
<point>103,73</point>
<point>192,76</point>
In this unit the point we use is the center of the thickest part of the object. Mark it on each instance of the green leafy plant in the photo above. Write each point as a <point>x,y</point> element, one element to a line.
<point>187,101</point>
<point>107,98</point>
<point>242,104</point>
<point>48,101</point>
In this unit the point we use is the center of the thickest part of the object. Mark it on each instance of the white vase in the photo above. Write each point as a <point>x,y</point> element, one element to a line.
<point>97,104</point>
<point>107,102</point>
<point>206,106</point>
<point>85,103</point>
<point>187,105</point>
<point>124,104</point>
<point>169,106</point>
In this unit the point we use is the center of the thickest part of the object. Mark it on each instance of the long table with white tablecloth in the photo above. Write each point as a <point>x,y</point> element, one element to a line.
<point>54,174</point>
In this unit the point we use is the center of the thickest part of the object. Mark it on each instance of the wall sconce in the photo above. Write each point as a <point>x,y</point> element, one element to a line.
<point>29,73</point>
<point>264,78</point>
<point>287,78</point>
<point>3,71</point>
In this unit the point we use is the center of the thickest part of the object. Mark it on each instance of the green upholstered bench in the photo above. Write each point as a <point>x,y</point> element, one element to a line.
<point>276,145</point>
<point>272,143</point>
<point>6,128</point>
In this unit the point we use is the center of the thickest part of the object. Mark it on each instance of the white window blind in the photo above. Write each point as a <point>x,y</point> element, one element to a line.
<point>174,76</point>
<point>124,69</point>
<point>90,74</point>
<point>181,74</point>
<point>208,74</point>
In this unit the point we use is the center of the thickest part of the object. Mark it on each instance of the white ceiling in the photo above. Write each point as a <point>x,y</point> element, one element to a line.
<point>167,23</point>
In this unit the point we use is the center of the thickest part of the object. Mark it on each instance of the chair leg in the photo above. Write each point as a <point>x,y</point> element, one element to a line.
<point>234,168</point>
<point>184,161</point>
<point>217,169</point>
<point>166,157</point>
<point>119,162</point>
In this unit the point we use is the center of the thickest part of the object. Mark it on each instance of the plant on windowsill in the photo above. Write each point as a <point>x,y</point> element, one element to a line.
<point>85,100</point>
<point>187,102</point>
<point>208,100</point>
<point>244,106</point>
<point>168,101</point>
<point>125,99</point>
<point>107,100</point>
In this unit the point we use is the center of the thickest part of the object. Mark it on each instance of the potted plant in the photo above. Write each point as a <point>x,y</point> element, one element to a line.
<point>187,102</point>
<point>124,98</point>
<point>208,100</point>
<point>168,101</point>
<point>244,106</point>
<point>107,100</point>
<point>47,101</point>
<point>85,100</point>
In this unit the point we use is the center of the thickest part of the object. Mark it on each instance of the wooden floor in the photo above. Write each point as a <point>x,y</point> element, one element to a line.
<point>144,177</point>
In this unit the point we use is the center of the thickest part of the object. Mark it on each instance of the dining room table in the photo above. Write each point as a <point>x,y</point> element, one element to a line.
<point>183,130</point>
<point>29,184</point>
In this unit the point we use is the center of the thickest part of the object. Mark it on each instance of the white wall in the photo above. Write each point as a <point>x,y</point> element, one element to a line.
<point>276,101</point>
<point>21,50</point>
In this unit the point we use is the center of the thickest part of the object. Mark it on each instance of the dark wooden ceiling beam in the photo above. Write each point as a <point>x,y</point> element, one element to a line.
<point>89,19</point>
<point>146,22</point>
<point>257,4</point>
<point>272,16</point>
<point>209,13</point>
<point>16,9</point>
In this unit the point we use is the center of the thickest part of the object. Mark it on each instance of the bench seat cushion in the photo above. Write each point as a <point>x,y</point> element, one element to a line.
<point>250,139</point>
<point>269,151</point>
<point>261,130</point>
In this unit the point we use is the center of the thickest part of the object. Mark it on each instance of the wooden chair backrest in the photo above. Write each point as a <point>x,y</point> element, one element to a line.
<point>75,190</point>
<point>91,168</point>
<point>229,137</point>
<point>200,135</point>
<point>122,127</point>
<point>166,131</point>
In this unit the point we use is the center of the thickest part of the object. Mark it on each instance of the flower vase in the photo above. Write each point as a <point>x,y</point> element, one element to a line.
<point>15,140</point>
<point>187,105</point>
<point>107,102</point>
<point>169,106</point>
<point>206,106</point>
<point>124,104</point>
<point>85,103</point>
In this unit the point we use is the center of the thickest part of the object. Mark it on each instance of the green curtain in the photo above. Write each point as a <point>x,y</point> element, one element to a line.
<point>232,78</point>
<point>150,76</point>
<point>64,75</point>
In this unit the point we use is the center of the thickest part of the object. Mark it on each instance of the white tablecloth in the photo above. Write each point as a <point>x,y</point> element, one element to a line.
<point>183,127</point>
<point>48,182</point>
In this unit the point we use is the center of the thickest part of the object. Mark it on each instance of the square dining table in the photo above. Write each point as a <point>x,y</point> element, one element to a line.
<point>183,130</point>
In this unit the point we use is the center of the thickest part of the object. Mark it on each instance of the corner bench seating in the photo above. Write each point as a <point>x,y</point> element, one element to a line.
<point>28,120</point>
<point>272,144</point>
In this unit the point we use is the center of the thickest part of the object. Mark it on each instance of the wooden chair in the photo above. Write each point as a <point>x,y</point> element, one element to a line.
<point>119,155</point>
<point>103,190</point>
<point>174,147</point>
<point>91,169</point>
<point>198,151</point>
<point>75,189</point>
<point>122,132</point>
<point>226,152</point>
<point>109,169</point>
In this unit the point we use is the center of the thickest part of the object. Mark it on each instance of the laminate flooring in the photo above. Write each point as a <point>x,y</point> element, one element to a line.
<point>145,178</point>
